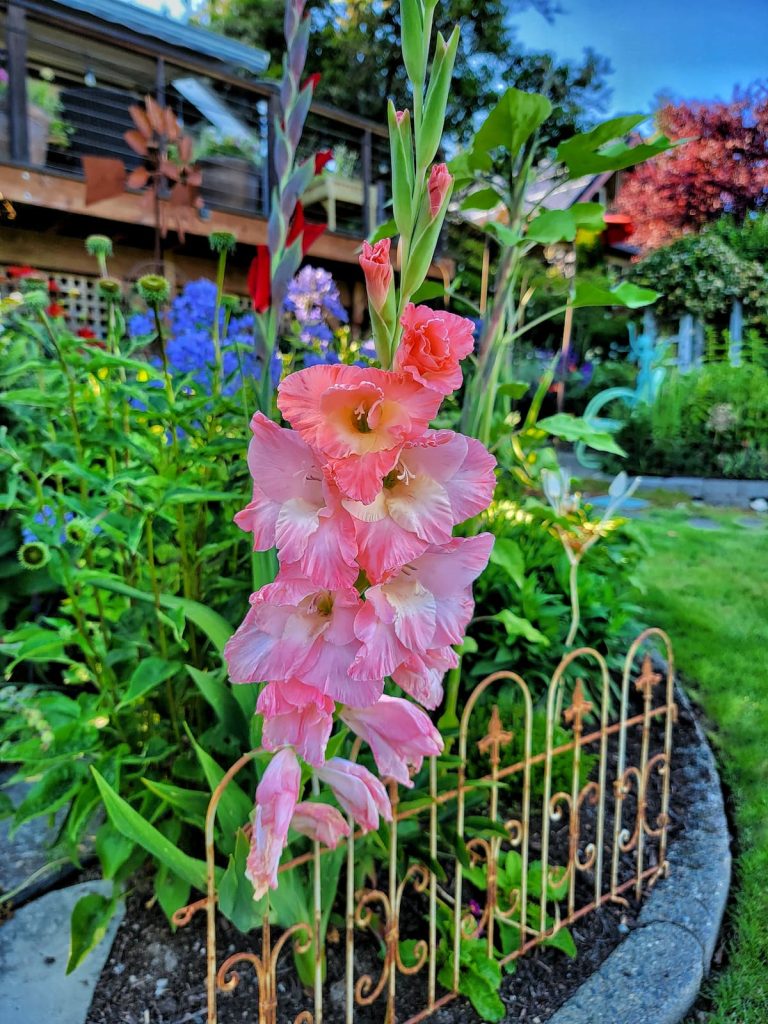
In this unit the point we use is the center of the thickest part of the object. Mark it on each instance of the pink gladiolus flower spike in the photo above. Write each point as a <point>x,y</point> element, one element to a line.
<point>399,735</point>
<point>359,793</point>
<point>276,797</point>
<point>424,607</point>
<point>358,419</point>
<point>377,268</point>
<point>296,630</point>
<point>296,508</point>
<point>432,345</point>
<point>438,482</point>
<point>320,822</point>
<point>296,714</point>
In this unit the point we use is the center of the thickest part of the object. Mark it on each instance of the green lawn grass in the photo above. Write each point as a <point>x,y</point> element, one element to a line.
<point>709,590</point>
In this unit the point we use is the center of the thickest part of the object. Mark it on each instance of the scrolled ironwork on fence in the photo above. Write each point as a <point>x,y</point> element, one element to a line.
<point>614,762</point>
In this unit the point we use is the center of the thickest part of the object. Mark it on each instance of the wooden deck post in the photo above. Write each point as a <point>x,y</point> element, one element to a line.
<point>17,83</point>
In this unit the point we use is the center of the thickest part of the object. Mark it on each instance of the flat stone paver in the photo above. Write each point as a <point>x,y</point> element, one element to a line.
<point>34,949</point>
<point>702,523</point>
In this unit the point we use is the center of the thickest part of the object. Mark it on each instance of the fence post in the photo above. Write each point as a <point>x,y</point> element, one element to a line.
<point>685,343</point>
<point>17,83</point>
<point>735,333</point>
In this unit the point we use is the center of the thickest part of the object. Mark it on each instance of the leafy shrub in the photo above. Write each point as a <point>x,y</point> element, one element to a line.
<point>710,422</point>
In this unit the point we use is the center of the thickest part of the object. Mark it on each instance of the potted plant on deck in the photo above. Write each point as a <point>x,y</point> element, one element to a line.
<point>230,167</point>
<point>45,121</point>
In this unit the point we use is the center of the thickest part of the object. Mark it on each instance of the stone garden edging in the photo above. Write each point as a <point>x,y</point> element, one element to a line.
<point>654,976</point>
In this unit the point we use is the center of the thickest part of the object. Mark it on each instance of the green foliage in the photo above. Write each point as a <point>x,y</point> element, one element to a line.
<point>709,422</point>
<point>703,274</point>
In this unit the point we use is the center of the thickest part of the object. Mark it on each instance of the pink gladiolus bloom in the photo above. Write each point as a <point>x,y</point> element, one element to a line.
<point>438,481</point>
<point>296,509</point>
<point>427,605</point>
<point>297,715</point>
<point>439,185</point>
<point>433,343</point>
<point>377,268</point>
<point>359,793</point>
<point>276,798</point>
<point>296,630</point>
<point>399,735</point>
<point>358,419</point>
<point>320,822</point>
<point>421,675</point>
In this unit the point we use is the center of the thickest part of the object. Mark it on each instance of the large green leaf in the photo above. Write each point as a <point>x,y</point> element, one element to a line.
<point>508,555</point>
<point>517,626</point>
<point>236,900</point>
<point>629,295</point>
<point>234,807</point>
<point>223,701</point>
<point>88,926</point>
<point>604,148</point>
<point>482,199</point>
<point>563,225</point>
<point>134,826</point>
<point>147,675</point>
<point>191,802</point>
<point>574,428</point>
<point>512,121</point>
<point>209,622</point>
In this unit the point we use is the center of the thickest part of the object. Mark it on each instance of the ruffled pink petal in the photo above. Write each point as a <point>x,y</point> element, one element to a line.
<point>471,488</point>
<point>421,676</point>
<point>359,477</point>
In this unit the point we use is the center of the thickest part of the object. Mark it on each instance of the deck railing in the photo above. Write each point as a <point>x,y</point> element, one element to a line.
<point>72,80</point>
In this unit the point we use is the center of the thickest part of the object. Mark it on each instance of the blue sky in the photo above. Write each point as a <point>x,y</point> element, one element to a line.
<point>697,49</point>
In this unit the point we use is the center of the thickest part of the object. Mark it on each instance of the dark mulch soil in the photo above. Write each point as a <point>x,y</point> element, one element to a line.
<point>155,977</point>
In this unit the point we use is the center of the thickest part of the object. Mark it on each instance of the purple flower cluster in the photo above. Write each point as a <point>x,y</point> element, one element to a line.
<point>313,298</point>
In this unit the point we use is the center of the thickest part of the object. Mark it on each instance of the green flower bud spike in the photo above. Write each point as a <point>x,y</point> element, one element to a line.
<point>154,289</point>
<point>37,299</point>
<point>99,246</point>
<point>222,241</point>
<point>34,555</point>
<point>110,287</point>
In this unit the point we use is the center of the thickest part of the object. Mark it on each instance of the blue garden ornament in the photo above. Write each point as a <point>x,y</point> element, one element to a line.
<point>648,351</point>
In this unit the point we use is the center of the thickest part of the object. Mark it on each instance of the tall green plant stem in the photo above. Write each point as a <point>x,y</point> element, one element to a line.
<point>186,564</point>
<point>161,637</point>
<point>219,368</point>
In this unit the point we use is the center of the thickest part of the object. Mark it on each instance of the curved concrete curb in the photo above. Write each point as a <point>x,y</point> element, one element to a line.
<point>654,976</point>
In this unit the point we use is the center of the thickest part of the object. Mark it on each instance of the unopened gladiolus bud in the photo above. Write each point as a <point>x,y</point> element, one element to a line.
<point>377,268</point>
<point>440,184</point>
<point>154,289</point>
<point>400,114</point>
<point>222,241</point>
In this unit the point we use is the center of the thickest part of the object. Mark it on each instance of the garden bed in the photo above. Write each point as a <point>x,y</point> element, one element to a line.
<point>151,971</point>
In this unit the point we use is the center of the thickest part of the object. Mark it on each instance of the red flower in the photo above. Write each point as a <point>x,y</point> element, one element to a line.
<point>16,271</point>
<point>259,279</point>
<point>86,332</point>
<point>56,310</point>
<point>259,284</point>
<point>322,158</point>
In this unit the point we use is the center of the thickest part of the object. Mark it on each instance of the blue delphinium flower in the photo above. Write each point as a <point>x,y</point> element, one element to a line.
<point>189,346</point>
<point>46,518</point>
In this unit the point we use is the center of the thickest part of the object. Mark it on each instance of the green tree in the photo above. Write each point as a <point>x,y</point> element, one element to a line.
<point>355,47</point>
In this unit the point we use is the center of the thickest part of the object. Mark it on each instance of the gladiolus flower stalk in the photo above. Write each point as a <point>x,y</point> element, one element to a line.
<point>359,497</point>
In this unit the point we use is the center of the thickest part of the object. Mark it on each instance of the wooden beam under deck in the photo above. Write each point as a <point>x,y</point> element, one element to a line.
<point>55,192</point>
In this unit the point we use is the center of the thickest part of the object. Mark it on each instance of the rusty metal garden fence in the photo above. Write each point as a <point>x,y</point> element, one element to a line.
<point>572,827</point>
